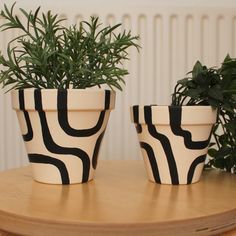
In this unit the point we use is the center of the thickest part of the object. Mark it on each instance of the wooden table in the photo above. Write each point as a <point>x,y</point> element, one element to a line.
<point>119,202</point>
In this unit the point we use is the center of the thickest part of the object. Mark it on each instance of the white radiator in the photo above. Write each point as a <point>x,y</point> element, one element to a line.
<point>174,34</point>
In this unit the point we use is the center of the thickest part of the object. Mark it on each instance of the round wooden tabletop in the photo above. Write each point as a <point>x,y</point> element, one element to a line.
<point>120,201</point>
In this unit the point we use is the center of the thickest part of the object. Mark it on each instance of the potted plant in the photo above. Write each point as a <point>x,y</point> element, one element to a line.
<point>174,139</point>
<point>50,73</point>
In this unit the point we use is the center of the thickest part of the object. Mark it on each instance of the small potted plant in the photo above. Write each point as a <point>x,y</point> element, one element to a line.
<point>174,139</point>
<point>50,73</point>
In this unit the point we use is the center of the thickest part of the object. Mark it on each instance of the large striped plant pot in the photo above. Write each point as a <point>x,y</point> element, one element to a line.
<point>174,141</point>
<point>62,131</point>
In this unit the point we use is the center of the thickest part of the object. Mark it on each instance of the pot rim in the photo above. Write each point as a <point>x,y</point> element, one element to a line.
<point>63,99</point>
<point>166,114</point>
<point>155,105</point>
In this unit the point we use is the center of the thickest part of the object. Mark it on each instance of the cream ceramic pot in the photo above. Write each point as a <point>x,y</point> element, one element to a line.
<point>63,130</point>
<point>174,141</point>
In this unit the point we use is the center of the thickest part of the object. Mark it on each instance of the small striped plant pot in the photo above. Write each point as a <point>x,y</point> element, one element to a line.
<point>63,131</point>
<point>174,141</point>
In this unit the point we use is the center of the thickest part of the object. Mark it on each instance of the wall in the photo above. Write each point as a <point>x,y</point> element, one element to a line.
<point>174,34</point>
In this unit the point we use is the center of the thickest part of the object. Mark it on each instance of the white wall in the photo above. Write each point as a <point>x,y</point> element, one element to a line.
<point>174,34</point>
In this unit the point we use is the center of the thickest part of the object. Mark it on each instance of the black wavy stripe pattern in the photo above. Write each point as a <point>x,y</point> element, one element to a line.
<point>152,160</point>
<point>138,128</point>
<point>96,150</point>
<point>136,119</point>
<point>136,114</point>
<point>175,114</point>
<point>165,145</point>
<point>193,166</point>
<point>52,146</point>
<point>63,116</point>
<point>29,135</point>
<point>39,158</point>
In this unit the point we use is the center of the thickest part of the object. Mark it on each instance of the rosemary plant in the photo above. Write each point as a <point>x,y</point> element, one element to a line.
<point>49,55</point>
<point>217,88</point>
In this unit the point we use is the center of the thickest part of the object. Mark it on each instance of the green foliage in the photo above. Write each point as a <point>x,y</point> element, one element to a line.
<point>201,88</point>
<point>217,88</point>
<point>49,55</point>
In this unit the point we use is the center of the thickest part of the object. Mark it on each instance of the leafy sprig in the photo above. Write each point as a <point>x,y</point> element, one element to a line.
<point>223,153</point>
<point>49,55</point>
<point>201,88</point>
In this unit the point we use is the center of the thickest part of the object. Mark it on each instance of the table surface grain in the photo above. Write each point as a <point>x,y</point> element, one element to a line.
<point>120,201</point>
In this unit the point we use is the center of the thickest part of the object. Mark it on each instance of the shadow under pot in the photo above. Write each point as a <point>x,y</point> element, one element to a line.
<point>174,141</point>
<point>63,131</point>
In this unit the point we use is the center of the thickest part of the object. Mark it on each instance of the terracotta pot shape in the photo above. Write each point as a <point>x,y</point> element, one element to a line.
<point>174,141</point>
<point>63,131</point>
